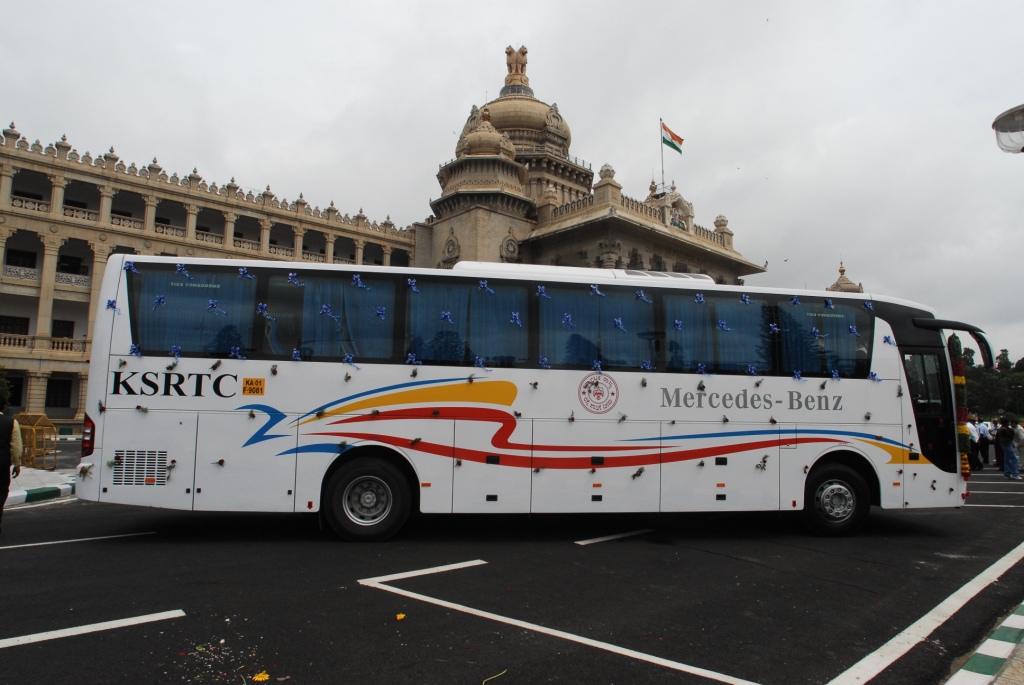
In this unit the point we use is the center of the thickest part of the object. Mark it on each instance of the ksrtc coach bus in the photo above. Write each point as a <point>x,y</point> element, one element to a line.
<point>365,393</point>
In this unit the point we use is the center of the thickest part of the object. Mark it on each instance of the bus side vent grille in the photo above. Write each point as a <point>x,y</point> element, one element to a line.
<point>140,467</point>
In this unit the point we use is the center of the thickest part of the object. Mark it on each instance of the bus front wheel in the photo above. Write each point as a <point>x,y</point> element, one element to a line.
<point>836,501</point>
<point>367,500</point>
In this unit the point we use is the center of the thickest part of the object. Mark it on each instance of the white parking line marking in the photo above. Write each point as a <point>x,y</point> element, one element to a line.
<point>606,538</point>
<point>378,583</point>
<point>883,657</point>
<point>93,628</point>
<point>64,542</point>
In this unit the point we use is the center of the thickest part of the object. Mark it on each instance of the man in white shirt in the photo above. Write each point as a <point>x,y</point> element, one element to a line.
<point>973,459</point>
<point>984,440</point>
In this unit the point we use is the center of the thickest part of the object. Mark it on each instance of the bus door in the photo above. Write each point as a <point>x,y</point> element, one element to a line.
<point>581,466</point>
<point>155,467</point>
<point>491,476</point>
<point>931,405</point>
<point>232,476</point>
<point>716,466</point>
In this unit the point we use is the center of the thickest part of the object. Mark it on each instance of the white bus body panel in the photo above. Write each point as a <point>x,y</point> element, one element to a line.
<point>610,487</point>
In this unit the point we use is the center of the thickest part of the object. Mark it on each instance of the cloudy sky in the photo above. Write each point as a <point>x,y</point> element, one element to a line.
<point>853,131</point>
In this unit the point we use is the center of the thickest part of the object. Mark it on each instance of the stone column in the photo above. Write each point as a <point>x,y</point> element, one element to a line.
<point>47,282</point>
<point>360,244</point>
<point>3,244</point>
<point>6,183</point>
<point>387,254</point>
<point>151,203</point>
<point>106,200</point>
<point>100,253</point>
<point>297,244</point>
<point>265,225</point>
<point>229,229</point>
<point>328,247</point>
<point>83,386</point>
<point>190,222</point>
<point>35,393</point>
<point>57,185</point>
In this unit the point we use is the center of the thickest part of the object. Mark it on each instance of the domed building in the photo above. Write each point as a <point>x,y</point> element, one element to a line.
<point>515,193</point>
<point>844,284</point>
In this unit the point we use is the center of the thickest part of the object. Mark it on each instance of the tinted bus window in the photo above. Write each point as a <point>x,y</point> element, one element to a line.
<point>205,314</point>
<point>454,321</point>
<point>724,333</point>
<point>329,316</point>
<point>578,327</point>
<point>817,340</point>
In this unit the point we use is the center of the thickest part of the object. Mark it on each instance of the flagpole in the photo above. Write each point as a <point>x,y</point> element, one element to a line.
<point>661,144</point>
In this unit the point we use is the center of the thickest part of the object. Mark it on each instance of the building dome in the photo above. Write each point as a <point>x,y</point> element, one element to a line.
<point>844,284</point>
<point>484,139</point>
<point>528,122</point>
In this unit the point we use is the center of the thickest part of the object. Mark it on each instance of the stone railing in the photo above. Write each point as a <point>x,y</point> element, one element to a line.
<point>281,251</point>
<point>313,257</point>
<point>127,222</point>
<point>638,207</point>
<point>344,261</point>
<point>84,214</point>
<point>167,229</point>
<point>539,149</point>
<point>204,237</point>
<point>69,345</point>
<point>73,279</point>
<point>32,342</point>
<point>710,236</point>
<point>244,244</point>
<point>21,272</point>
<point>573,207</point>
<point>30,204</point>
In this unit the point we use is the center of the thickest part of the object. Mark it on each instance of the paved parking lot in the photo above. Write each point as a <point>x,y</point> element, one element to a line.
<point>672,599</point>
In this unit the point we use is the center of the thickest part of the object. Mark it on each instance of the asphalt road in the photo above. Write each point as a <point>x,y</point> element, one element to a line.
<point>698,599</point>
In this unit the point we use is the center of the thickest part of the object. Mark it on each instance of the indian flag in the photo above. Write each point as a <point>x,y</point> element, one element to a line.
<point>671,139</point>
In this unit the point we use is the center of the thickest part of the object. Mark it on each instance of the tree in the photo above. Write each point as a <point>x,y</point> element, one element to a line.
<point>1019,366</point>
<point>1003,360</point>
<point>968,357</point>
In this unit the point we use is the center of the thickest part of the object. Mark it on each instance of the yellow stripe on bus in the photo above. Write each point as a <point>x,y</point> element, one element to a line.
<point>480,392</point>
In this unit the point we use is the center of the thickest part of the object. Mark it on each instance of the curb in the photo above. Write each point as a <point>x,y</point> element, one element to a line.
<point>992,656</point>
<point>39,494</point>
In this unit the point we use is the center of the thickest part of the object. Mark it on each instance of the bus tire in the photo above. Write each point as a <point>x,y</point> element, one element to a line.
<point>367,500</point>
<point>836,500</point>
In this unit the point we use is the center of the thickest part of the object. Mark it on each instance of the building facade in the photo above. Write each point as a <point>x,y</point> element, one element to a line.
<point>63,214</point>
<point>515,193</point>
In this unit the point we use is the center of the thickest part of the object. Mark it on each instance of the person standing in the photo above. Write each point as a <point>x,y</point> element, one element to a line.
<point>973,459</point>
<point>1004,437</point>
<point>996,447</point>
<point>984,438</point>
<point>10,453</point>
<point>1018,446</point>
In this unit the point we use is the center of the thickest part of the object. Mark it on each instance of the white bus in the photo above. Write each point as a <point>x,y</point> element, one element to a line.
<point>364,393</point>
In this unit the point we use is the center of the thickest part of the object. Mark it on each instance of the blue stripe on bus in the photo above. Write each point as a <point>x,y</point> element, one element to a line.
<point>328,447</point>
<point>776,431</point>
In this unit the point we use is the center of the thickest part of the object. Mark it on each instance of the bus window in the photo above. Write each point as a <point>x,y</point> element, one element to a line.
<point>205,314</point>
<point>816,339</point>
<point>925,378</point>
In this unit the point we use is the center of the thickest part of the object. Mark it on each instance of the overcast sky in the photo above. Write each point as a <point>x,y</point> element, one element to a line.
<point>853,131</point>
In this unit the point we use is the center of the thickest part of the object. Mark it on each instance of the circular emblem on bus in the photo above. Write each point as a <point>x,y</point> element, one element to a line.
<point>598,393</point>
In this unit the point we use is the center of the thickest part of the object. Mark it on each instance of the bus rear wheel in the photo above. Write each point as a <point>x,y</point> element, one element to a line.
<point>367,500</point>
<point>836,501</point>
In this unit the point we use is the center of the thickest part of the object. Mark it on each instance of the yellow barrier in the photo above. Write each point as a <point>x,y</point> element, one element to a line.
<point>39,438</point>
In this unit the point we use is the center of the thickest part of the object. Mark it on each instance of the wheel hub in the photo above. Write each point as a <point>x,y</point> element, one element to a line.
<point>836,500</point>
<point>367,501</point>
